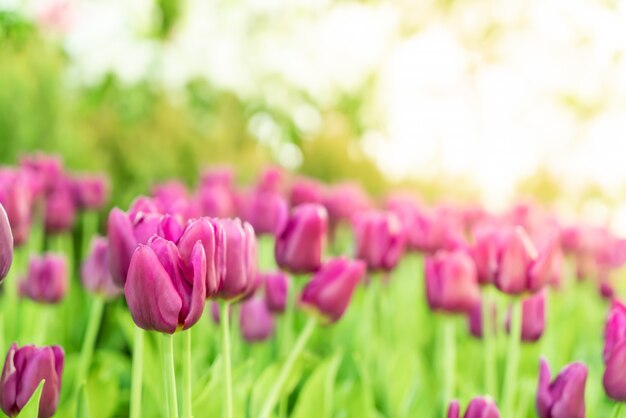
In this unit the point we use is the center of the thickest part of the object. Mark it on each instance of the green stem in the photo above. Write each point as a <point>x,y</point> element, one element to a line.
<point>512,359</point>
<point>488,338</point>
<point>448,360</point>
<point>228,379</point>
<point>137,371</point>
<point>272,398</point>
<point>187,374</point>
<point>170,376</point>
<point>93,326</point>
<point>617,411</point>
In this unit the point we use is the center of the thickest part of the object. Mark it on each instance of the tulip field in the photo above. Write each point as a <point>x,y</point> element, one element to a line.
<point>289,297</point>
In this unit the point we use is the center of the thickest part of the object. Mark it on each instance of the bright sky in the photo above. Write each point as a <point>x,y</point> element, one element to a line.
<point>546,89</point>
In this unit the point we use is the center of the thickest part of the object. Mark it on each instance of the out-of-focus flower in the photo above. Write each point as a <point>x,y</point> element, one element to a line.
<point>614,354</point>
<point>276,291</point>
<point>240,261</point>
<point>306,190</point>
<point>330,290</point>
<point>379,239</point>
<point>95,271</point>
<point>16,195</point>
<point>216,194</point>
<point>565,396</point>
<point>533,317</point>
<point>173,198</point>
<point>60,206</point>
<point>45,170</point>
<point>516,257</point>
<point>451,284</point>
<point>57,16</point>
<point>267,212</point>
<point>475,319</point>
<point>343,200</point>
<point>91,191</point>
<point>24,368</point>
<point>6,244</point>
<point>162,294</point>
<point>271,180</point>
<point>480,407</point>
<point>486,252</point>
<point>46,280</point>
<point>255,320</point>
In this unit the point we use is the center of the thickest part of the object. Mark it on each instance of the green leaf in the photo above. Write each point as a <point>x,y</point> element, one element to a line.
<point>82,404</point>
<point>31,409</point>
<point>316,398</point>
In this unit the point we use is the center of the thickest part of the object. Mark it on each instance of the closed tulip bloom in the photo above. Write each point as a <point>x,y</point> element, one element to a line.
<point>565,396</point>
<point>306,190</point>
<point>533,317</point>
<point>162,293</point>
<point>343,200</point>
<point>614,354</point>
<point>480,407</point>
<point>240,261</point>
<point>486,252</point>
<point>330,290</point>
<point>276,291</point>
<point>16,196</point>
<point>216,194</point>
<point>517,255</point>
<point>407,210</point>
<point>91,191</point>
<point>95,271</point>
<point>300,245</point>
<point>475,319</point>
<point>6,244</point>
<point>255,320</point>
<point>46,280</point>
<point>614,328</point>
<point>60,206</point>
<point>379,239</point>
<point>547,267</point>
<point>24,368</point>
<point>46,168</point>
<point>451,284</point>
<point>267,212</point>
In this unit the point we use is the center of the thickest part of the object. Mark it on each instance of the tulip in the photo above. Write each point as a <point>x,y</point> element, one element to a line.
<point>173,198</point>
<point>533,317</point>
<point>300,245</point>
<point>95,271</point>
<point>614,328</point>
<point>24,369</point>
<point>451,284</point>
<point>487,243</point>
<point>91,191</point>
<point>565,396</point>
<point>614,354</point>
<point>46,280</point>
<point>267,212</point>
<point>6,244</point>
<point>240,261</point>
<point>481,407</point>
<point>216,195</point>
<point>379,239</point>
<point>16,195</point>
<point>406,209</point>
<point>60,206</point>
<point>162,294</point>
<point>475,319</point>
<point>330,290</point>
<point>276,291</point>
<point>343,200</point>
<point>306,190</point>
<point>255,320</point>
<point>517,255</point>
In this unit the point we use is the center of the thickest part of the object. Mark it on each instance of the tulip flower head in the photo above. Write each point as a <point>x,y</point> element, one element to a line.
<point>240,260</point>
<point>255,320</point>
<point>480,407</point>
<point>46,280</point>
<point>95,271</point>
<point>564,397</point>
<point>267,212</point>
<point>301,243</point>
<point>24,368</point>
<point>533,317</point>
<point>305,190</point>
<point>17,196</point>
<point>60,206</point>
<point>329,291</point>
<point>614,354</point>
<point>276,291</point>
<point>379,239</point>
<point>6,244</point>
<point>91,192</point>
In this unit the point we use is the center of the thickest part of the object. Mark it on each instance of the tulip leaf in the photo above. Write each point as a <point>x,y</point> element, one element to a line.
<point>82,404</point>
<point>316,398</point>
<point>31,409</point>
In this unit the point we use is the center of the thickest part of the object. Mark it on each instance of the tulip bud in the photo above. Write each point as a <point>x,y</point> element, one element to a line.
<point>240,261</point>
<point>24,368</point>
<point>614,328</point>
<point>95,271</point>
<point>46,280</point>
<point>379,239</point>
<point>487,243</point>
<point>516,258</point>
<point>480,407</point>
<point>162,293</point>
<point>60,206</point>
<point>565,396</point>
<point>91,191</point>
<point>255,320</point>
<point>330,290</point>
<point>276,291</point>
<point>475,319</point>
<point>546,269</point>
<point>451,283</point>
<point>300,245</point>
<point>305,190</point>
<point>6,244</point>
<point>46,168</point>
<point>16,195</point>
<point>343,200</point>
<point>533,317</point>
<point>271,179</point>
<point>614,354</point>
<point>216,194</point>
<point>267,212</point>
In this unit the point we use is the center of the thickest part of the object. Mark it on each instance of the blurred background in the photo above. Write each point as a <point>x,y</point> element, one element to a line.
<point>473,100</point>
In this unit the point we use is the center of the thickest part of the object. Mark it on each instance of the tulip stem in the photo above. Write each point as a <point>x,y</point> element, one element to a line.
<point>617,411</point>
<point>170,375</point>
<point>272,397</point>
<point>89,343</point>
<point>512,359</point>
<point>488,337</point>
<point>187,374</point>
<point>137,377</point>
<point>448,360</point>
<point>228,379</point>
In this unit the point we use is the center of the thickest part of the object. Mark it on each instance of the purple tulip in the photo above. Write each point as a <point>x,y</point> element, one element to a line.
<point>215,312</point>
<point>24,368</point>
<point>46,280</point>
<point>255,320</point>
<point>95,271</point>
<point>614,354</point>
<point>533,317</point>
<point>276,291</point>
<point>480,407</point>
<point>486,252</point>
<point>300,245</point>
<point>44,170</point>
<point>173,198</point>
<point>379,239</point>
<point>517,255</point>
<point>267,212</point>
<point>16,195</point>
<point>306,190</point>
<point>271,179</point>
<point>216,194</point>
<point>475,319</point>
<point>60,206</point>
<point>451,284</point>
<point>343,200</point>
<point>91,191</point>
<point>407,210</point>
<point>330,290</point>
<point>565,396</point>
<point>162,293</point>
<point>6,244</point>
<point>240,261</point>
